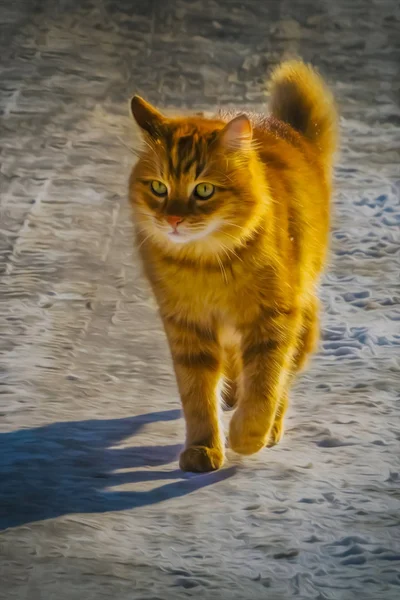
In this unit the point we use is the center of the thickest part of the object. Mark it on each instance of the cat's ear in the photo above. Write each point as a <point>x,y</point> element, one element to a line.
<point>147,117</point>
<point>238,133</point>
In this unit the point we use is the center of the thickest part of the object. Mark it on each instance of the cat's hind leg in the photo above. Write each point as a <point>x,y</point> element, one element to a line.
<point>268,347</point>
<point>306,344</point>
<point>308,336</point>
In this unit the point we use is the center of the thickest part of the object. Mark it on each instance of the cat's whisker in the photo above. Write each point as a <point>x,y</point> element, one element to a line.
<point>145,240</point>
<point>221,265</point>
<point>131,150</point>
<point>225,249</point>
<point>232,237</point>
<point>149,145</point>
<point>196,229</point>
<point>233,225</point>
<point>238,242</point>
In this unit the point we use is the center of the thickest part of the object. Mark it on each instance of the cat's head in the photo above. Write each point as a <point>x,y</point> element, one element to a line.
<point>197,182</point>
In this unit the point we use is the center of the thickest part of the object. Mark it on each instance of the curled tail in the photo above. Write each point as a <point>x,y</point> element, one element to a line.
<point>300,98</point>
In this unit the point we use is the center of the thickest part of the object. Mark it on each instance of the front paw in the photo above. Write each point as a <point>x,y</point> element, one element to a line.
<point>201,459</point>
<point>247,435</point>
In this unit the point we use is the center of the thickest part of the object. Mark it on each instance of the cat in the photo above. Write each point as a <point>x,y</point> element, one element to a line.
<point>231,216</point>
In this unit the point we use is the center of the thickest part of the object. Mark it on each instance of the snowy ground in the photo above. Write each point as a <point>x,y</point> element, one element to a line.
<point>92,503</point>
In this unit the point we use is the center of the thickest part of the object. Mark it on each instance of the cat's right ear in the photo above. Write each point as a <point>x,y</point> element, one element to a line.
<point>237,134</point>
<point>147,117</point>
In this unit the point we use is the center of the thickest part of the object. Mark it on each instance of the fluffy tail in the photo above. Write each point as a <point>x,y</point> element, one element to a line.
<point>300,98</point>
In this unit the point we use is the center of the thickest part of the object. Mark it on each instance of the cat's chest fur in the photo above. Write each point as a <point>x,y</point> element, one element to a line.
<point>230,291</point>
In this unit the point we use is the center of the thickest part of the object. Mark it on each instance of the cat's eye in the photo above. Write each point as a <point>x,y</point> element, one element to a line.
<point>158,188</point>
<point>204,191</point>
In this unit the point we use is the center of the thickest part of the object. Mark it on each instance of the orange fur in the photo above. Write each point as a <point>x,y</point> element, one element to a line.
<point>238,295</point>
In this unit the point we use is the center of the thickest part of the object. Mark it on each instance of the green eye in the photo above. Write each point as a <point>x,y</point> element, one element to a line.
<point>158,188</point>
<point>204,191</point>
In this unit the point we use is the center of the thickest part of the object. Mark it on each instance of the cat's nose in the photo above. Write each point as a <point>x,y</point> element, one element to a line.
<point>174,221</point>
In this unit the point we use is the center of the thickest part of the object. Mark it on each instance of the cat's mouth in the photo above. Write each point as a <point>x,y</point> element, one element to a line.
<point>180,235</point>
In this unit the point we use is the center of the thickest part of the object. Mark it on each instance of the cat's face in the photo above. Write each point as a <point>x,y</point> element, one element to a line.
<point>193,183</point>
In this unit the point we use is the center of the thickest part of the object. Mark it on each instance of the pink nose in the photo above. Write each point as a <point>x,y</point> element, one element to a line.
<point>174,221</point>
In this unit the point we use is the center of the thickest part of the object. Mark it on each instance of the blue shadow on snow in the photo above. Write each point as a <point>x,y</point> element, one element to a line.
<point>69,467</point>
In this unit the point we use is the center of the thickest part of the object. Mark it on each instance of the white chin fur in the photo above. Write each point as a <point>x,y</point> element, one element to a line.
<point>187,236</point>
<point>178,239</point>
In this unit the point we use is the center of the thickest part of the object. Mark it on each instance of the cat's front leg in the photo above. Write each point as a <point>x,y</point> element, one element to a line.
<point>196,355</point>
<point>268,348</point>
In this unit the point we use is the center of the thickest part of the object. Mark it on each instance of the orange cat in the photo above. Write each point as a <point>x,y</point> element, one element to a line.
<point>232,219</point>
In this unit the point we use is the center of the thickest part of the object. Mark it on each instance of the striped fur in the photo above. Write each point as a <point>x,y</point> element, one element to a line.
<point>238,298</point>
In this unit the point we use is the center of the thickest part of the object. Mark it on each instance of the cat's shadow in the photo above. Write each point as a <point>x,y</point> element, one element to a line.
<point>71,467</point>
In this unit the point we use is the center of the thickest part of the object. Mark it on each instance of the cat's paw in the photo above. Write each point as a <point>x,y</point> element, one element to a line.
<point>200,459</point>
<point>246,436</point>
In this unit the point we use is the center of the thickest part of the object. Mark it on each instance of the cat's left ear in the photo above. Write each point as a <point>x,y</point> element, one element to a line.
<point>238,133</point>
<point>147,117</point>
